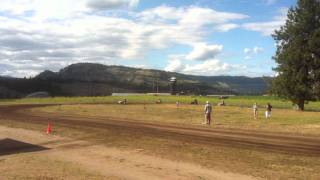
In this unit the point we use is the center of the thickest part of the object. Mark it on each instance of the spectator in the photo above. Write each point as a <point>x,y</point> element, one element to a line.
<point>268,111</point>
<point>255,111</point>
<point>207,112</point>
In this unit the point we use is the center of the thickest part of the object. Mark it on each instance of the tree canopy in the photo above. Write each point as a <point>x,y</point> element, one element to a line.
<point>298,54</point>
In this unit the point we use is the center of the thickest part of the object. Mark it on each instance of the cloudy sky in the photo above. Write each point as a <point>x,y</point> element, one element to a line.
<point>201,37</point>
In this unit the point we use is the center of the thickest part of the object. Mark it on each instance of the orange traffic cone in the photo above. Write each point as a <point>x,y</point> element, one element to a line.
<point>49,128</point>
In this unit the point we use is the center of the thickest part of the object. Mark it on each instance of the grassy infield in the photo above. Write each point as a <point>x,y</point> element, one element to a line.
<point>241,101</point>
<point>237,114</point>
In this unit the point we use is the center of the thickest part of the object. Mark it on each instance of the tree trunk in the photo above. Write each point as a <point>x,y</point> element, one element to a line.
<point>301,105</point>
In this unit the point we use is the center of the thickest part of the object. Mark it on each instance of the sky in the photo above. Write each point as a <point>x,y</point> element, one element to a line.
<point>199,37</point>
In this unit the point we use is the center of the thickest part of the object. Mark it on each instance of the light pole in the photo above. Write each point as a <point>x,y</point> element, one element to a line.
<point>173,85</point>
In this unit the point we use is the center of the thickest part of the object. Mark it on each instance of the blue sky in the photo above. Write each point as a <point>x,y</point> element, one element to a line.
<point>200,37</point>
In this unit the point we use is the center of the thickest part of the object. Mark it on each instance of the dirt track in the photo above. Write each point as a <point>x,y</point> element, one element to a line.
<point>284,143</point>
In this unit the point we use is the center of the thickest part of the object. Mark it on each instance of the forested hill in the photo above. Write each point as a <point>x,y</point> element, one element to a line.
<point>86,79</point>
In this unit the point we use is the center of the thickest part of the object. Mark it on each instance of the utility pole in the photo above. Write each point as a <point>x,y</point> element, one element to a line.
<point>153,90</point>
<point>157,86</point>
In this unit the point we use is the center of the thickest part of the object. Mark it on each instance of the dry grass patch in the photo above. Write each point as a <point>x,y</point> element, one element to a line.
<point>245,161</point>
<point>41,167</point>
<point>283,120</point>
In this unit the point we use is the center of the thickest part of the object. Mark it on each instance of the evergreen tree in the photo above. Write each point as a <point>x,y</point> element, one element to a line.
<point>298,54</point>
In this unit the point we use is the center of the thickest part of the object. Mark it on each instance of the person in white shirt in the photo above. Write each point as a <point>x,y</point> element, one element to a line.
<point>268,110</point>
<point>207,112</point>
<point>255,111</point>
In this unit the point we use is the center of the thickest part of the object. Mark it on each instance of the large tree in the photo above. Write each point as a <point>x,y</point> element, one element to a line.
<point>298,54</point>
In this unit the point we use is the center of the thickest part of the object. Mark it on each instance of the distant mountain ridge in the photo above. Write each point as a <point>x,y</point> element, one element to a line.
<point>88,79</point>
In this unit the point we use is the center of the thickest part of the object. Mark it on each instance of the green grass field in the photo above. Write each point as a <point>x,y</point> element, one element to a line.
<point>237,114</point>
<point>240,101</point>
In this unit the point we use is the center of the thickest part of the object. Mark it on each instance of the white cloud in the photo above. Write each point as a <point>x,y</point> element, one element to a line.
<point>161,13</point>
<point>196,16</point>
<point>16,7</point>
<point>192,17</point>
<point>226,27</point>
<point>202,51</point>
<point>41,9</point>
<point>111,4</point>
<point>175,65</point>
<point>60,9</point>
<point>267,28</point>
<point>209,67</point>
<point>254,50</point>
<point>249,52</point>
<point>37,34</point>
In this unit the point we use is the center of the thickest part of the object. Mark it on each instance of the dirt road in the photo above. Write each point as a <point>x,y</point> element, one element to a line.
<point>91,161</point>
<point>284,143</point>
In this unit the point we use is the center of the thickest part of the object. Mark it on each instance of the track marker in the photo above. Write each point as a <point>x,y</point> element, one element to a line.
<point>49,128</point>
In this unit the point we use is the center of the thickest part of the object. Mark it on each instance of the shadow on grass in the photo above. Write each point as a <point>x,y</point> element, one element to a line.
<point>11,146</point>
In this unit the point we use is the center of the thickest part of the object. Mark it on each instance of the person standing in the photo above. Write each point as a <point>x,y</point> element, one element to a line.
<point>207,112</point>
<point>268,111</point>
<point>255,111</point>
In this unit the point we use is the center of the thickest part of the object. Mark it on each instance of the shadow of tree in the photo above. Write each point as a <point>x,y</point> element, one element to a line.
<point>11,146</point>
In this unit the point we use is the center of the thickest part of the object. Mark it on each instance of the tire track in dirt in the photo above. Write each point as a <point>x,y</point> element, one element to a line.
<point>265,141</point>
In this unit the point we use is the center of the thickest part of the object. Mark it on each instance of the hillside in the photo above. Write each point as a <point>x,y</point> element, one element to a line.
<point>86,79</point>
